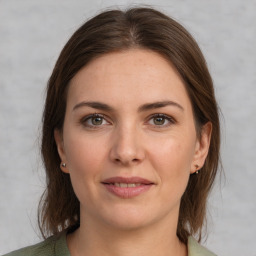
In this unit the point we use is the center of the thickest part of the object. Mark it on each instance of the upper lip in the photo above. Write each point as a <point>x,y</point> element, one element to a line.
<point>128,180</point>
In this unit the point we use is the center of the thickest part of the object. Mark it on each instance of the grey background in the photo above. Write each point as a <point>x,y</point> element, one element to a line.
<point>32,33</point>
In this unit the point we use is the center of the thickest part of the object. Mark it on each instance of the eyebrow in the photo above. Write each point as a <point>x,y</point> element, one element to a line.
<point>144,107</point>
<point>159,104</point>
<point>94,104</point>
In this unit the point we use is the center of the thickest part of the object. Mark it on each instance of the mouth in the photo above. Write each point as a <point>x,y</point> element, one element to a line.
<point>124,187</point>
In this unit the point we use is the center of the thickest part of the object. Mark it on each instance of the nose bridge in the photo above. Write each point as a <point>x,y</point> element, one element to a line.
<point>127,147</point>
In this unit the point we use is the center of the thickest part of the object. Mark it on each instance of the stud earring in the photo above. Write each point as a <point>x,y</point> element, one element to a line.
<point>63,165</point>
<point>197,169</point>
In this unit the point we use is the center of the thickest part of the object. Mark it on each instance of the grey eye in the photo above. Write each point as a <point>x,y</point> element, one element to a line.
<point>97,120</point>
<point>159,120</point>
<point>94,120</point>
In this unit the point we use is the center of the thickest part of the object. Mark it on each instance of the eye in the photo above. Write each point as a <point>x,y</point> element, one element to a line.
<point>94,120</point>
<point>161,120</point>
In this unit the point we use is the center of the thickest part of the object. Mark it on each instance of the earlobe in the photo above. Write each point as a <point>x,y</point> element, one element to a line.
<point>63,167</point>
<point>60,147</point>
<point>202,148</point>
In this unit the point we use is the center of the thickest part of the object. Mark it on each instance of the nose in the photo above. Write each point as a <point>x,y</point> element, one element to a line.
<point>127,147</point>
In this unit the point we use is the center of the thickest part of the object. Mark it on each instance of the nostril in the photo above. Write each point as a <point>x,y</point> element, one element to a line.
<point>126,161</point>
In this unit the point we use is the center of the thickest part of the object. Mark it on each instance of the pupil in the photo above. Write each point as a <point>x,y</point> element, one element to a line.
<point>159,120</point>
<point>97,120</point>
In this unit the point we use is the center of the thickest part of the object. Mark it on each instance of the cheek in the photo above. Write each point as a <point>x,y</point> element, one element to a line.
<point>173,156</point>
<point>175,173</point>
<point>85,162</point>
<point>81,152</point>
<point>172,160</point>
<point>84,159</point>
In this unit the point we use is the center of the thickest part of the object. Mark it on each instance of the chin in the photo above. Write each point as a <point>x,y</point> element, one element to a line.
<point>128,224</point>
<point>128,219</point>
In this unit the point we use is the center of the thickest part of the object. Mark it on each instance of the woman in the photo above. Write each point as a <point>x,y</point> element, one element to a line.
<point>130,140</point>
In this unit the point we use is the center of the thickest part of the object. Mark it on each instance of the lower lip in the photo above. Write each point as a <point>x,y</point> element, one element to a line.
<point>127,192</point>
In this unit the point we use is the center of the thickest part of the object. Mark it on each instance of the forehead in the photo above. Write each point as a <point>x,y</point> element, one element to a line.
<point>128,76</point>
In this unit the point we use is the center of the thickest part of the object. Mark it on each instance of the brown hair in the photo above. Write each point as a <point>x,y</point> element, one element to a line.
<point>117,30</point>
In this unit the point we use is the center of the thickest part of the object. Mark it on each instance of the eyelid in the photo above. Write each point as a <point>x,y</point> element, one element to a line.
<point>167,117</point>
<point>86,118</point>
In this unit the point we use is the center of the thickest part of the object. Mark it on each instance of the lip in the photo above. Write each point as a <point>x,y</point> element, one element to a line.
<point>120,179</point>
<point>127,192</point>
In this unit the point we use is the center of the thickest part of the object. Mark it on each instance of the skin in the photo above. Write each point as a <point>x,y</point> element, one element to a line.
<point>127,141</point>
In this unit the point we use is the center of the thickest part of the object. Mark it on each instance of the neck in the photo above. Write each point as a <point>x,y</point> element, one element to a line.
<point>93,239</point>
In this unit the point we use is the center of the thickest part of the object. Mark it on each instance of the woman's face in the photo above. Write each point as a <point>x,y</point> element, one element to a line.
<point>129,140</point>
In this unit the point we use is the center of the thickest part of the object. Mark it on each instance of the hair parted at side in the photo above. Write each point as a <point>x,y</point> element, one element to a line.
<point>117,30</point>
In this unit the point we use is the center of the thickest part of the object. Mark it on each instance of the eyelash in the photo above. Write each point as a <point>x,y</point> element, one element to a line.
<point>166,117</point>
<point>95,115</point>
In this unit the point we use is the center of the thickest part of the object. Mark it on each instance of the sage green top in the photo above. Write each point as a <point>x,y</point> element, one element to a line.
<point>58,247</point>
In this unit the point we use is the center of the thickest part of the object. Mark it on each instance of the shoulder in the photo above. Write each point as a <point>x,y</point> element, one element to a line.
<point>44,248</point>
<point>52,246</point>
<point>195,249</point>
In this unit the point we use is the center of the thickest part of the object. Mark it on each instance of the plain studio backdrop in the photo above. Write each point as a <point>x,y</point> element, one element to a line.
<point>32,34</point>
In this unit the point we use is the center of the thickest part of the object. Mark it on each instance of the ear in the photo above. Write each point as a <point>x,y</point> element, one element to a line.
<point>202,148</point>
<point>60,147</point>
